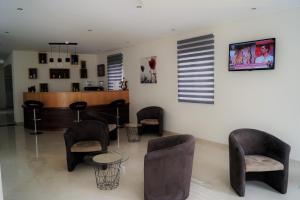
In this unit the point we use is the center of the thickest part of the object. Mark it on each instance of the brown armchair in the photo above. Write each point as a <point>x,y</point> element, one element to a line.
<point>168,167</point>
<point>151,119</point>
<point>257,155</point>
<point>84,138</point>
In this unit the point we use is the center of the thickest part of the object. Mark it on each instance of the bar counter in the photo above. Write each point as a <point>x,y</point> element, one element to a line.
<point>56,113</point>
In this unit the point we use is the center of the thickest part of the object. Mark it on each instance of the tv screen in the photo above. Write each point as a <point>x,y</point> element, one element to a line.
<point>252,55</point>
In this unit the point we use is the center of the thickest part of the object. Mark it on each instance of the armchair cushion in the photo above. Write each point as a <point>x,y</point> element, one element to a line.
<point>259,163</point>
<point>150,121</point>
<point>86,146</point>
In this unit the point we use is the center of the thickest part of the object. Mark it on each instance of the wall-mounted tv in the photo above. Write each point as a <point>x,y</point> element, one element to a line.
<point>252,55</point>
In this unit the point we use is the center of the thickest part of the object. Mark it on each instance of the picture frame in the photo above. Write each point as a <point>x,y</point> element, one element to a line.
<point>101,70</point>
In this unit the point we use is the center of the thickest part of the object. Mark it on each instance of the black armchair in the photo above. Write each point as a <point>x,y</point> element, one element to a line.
<point>84,138</point>
<point>151,119</point>
<point>257,155</point>
<point>168,167</point>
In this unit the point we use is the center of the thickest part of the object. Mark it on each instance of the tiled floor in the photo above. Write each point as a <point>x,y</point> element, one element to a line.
<point>6,117</point>
<point>29,174</point>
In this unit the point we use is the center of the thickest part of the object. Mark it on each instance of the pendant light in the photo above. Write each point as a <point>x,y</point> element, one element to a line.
<point>51,59</point>
<point>68,56</point>
<point>59,58</point>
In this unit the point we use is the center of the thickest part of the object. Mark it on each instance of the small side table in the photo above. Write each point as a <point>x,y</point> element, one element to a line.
<point>107,168</point>
<point>132,132</point>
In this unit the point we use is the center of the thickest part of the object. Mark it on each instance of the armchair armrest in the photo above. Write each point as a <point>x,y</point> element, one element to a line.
<point>277,149</point>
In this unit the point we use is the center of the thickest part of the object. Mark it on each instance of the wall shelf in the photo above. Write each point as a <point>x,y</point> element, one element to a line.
<point>59,73</point>
<point>32,73</point>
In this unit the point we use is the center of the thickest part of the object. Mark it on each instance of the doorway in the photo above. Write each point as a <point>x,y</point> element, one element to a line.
<point>7,101</point>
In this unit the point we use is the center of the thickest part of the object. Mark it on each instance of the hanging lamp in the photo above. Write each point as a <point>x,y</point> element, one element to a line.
<point>68,56</point>
<point>51,58</point>
<point>59,58</point>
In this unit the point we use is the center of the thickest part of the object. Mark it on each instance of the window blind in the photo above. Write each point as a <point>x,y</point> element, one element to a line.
<point>195,60</point>
<point>114,70</point>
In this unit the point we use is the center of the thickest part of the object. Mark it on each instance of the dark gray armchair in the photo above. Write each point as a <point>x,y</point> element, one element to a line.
<point>151,119</point>
<point>85,138</point>
<point>257,155</point>
<point>168,167</point>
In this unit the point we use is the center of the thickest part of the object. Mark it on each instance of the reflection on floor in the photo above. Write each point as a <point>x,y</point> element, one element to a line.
<point>7,117</point>
<point>27,175</point>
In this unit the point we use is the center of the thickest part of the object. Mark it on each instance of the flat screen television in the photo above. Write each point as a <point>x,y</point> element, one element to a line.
<point>252,55</point>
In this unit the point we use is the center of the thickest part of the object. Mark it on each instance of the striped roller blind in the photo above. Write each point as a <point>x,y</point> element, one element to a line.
<point>114,70</point>
<point>195,58</point>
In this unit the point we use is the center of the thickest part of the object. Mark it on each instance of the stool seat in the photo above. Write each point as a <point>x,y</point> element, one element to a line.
<point>33,104</point>
<point>80,105</point>
<point>117,103</point>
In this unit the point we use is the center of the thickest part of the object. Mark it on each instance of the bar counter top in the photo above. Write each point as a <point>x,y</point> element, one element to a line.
<point>64,99</point>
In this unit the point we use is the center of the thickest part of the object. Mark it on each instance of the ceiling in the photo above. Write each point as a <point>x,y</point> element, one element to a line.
<point>116,23</point>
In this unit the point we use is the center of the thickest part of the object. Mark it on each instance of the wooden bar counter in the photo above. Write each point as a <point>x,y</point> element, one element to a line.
<point>56,113</point>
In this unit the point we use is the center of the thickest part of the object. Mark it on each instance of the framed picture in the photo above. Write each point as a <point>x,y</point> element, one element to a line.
<point>148,70</point>
<point>101,70</point>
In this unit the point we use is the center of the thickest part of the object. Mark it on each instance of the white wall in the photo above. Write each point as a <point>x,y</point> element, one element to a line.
<point>23,60</point>
<point>266,100</point>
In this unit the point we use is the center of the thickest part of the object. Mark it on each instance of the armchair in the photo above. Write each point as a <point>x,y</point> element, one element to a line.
<point>257,155</point>
<point>84,138</point>
<point>168,167</point>
<point>151,119</point>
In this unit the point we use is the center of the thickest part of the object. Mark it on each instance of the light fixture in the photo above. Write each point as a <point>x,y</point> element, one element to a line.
<point>6,32</point>
<point>90,30</point>
<point>68,57</point>
<point>51,59</point>
<point>253,8</point>
<point>20,9</point>
<point>59,58</point>
<point>1,61</point>
<point>139,4</point>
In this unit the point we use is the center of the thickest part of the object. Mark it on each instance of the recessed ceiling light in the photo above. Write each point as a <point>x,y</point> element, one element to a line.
<point>139,4</point>
<point>253,8</point>
<point>20,9</point>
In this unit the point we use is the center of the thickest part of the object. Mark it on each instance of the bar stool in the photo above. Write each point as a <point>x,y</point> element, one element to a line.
<point>116,104</point>
<point>78,106</point>
<point>34,106</point>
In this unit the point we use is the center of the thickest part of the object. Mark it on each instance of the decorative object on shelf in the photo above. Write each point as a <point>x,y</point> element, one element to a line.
<point>43,58</point>
<point>83,64</point>
<point>31,89</point>
<point>32,73</point>
<point>59,73</point>
<point>123,84</point>
<point>83,73</point>
<point>148,70</point>
<point>101,70</point>
<point>75,87</point>
<point>43,87</point>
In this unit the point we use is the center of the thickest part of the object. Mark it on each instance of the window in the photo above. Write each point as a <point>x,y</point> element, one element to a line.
<point>195,58</point>
<point>115,71</point>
